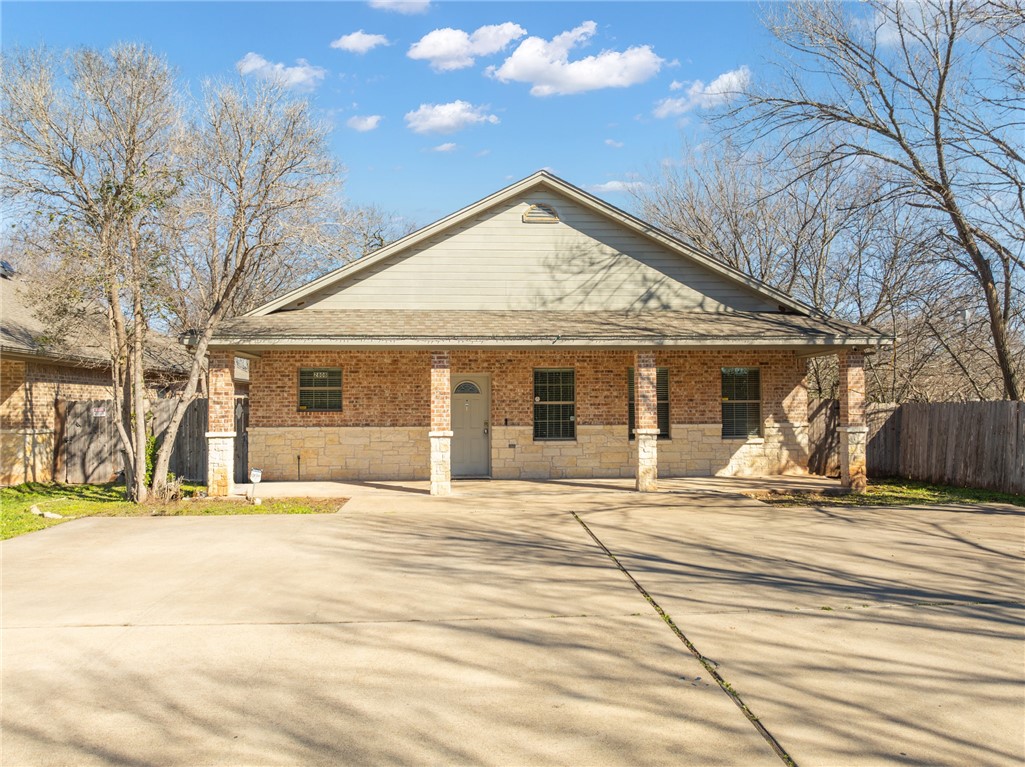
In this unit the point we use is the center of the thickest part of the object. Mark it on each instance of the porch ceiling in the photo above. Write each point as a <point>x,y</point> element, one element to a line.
<point>511,329</point>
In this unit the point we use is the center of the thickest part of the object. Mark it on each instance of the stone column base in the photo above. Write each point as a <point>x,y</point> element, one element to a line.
<point>441,462</point>
<point>220,463</point>
<point>853,443</point>
<point>647,460</point>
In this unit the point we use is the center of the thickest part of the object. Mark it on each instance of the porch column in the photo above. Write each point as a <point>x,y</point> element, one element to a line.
<point>646,421</point>
<point>853,429</point>
<point>220,435</point>
<point>441,424</point>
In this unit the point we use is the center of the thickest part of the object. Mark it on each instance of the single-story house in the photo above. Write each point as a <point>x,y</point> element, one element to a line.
<point>42,370</point>
<point>538,333</point>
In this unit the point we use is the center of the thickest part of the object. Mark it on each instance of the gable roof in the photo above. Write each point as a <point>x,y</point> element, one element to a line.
<point>84,343</point>
<point>541,179</point>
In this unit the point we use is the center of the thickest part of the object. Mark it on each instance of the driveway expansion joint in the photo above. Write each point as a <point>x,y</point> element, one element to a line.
<point>709,665</point>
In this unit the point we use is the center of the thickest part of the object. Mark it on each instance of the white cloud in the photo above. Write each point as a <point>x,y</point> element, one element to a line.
<point>447,49</point>
<point>546,66</point>
<point>447,118</point>
<point>884,26</point>
<point>613,143</point>
<point>448,146</point>
<point>359,42</point>
<point>675,85</point>
<point>303,75</point>
<point>406,7</point>
<point>721,90</point>
<point>624,187</point>
<point>363,123</point>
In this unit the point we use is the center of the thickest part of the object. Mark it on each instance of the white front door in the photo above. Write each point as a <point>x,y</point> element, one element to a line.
<point>471,439</point>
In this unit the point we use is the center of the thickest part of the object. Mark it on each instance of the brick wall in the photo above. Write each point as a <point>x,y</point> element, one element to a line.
<point>378,388</point>
<point>441,392</point>
<point>28,395</point>
<point>852,388</point>
<point>29,390</point>
<point>392,389</point>
<point>221,378</point>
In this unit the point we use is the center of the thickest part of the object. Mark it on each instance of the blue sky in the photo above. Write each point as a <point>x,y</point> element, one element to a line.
<point>437,104</point>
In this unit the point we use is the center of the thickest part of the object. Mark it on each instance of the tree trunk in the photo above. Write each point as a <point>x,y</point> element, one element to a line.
<point>163,459</point>
<point>139,397</point>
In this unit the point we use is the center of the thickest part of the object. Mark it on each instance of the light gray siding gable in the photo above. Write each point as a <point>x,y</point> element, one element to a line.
<point>495,260</point>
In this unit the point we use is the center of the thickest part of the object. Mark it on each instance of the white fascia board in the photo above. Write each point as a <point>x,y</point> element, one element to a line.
<point>312,343</point>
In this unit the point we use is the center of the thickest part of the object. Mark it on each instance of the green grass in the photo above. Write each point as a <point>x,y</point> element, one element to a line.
<point>75,501</point>
<point>890,492</point>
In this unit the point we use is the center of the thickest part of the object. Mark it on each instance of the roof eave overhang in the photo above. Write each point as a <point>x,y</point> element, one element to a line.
<point>78,361</point>
<point>804,346</point>
<point>38,355</point>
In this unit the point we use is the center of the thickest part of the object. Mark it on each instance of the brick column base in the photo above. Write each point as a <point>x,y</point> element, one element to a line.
<point>220,463</point>
<point>853,443</point>
<point>441,462</point>
<point>647,460</point>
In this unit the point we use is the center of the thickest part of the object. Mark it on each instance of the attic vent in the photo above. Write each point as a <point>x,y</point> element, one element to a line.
<point>539,213</point>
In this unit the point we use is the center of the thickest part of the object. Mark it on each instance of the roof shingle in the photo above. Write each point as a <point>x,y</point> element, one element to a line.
<point>529,328</point>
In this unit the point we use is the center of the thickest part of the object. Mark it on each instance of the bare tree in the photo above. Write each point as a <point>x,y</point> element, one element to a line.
<point>928,96</point>
<point>157,216</point>
<point>259,211</point>
<point>85,141</point>
<point>370,228</point>
<point>820,233</point>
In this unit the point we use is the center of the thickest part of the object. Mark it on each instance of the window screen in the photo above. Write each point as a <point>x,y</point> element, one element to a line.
<point>741,403</point>
<point>320,389</point>
<point>662,393</point>
<point>554,404</point>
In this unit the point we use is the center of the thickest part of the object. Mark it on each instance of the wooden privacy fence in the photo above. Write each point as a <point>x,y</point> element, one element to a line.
<point>970,444</point>
<point>188,459</point>
<point>90,449</point>
<point>823,438</point>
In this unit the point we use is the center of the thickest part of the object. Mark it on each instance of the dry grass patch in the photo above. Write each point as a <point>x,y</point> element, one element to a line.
<point>890,492</point>
<point>74,501</point>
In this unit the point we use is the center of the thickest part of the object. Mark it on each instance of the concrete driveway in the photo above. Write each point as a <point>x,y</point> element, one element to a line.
<point>489,628</point>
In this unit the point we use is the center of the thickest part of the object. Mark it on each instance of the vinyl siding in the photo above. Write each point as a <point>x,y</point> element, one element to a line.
<point>495,261</point>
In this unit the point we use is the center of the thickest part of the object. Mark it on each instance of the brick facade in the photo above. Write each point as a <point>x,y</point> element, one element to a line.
<point>852,388</point>
<point>220,434</point>
<point>853,427</point>
<point>391,390</point>
<point>646,421</point>
<point>29,392</point>
<point>441,392</point>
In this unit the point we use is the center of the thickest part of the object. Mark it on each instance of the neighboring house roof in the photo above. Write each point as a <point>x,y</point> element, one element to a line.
<point>416,329</point>
<point>82,344</point>
<point>538,263</point>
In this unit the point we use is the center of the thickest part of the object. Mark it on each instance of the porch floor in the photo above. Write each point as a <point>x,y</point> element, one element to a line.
<point>369,492</point>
